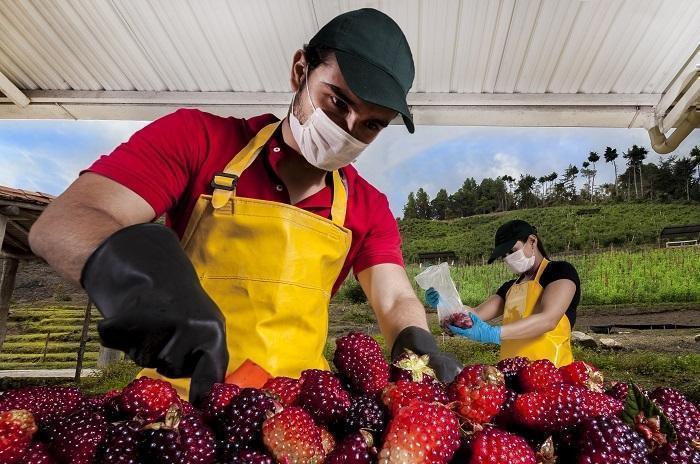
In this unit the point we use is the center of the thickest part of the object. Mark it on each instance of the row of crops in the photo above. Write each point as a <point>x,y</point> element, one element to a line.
<point>616,277</point>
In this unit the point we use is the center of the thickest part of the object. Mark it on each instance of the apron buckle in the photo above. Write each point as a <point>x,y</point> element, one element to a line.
<point>227,185</point>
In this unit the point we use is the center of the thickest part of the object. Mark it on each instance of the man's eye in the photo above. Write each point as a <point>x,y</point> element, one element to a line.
<point>373,126</point>
<point>340,104</point>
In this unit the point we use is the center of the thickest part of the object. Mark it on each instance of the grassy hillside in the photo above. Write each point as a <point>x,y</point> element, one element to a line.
<point>28,327</point>
<point>561,228</point>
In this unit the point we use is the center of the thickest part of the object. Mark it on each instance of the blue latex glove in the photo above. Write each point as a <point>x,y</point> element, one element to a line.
<point>480,331</point>
<point>432,297</point>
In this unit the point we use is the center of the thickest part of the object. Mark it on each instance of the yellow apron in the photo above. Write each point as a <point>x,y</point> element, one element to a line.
<point>270,267</point>
<point>521,301</point>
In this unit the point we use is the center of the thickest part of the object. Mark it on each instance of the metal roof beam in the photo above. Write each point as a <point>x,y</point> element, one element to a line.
<point>12,92</point>
<point>75,97</point>
<point>446,115</point>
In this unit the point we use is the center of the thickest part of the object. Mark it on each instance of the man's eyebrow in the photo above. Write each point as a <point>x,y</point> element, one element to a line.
<point>339,92</point>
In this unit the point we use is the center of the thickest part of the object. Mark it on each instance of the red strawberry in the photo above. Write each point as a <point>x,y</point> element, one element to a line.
<point>478,391</point>
<point>38,453</point>
<point>323,396</point>
<point>148,398</point>
<point>421,433</point>
<point>539,375</point>
<point>400,394</point>
<point>17,427</point>
<point>293,438</point>
<point>359,359</point>
<point>583,374</point>
<point>561,406</point>
<point>75,438</point>
<point>495,446</point>
<point>218,399</point>
<point>45,403</point>
<point>411,367</point>
<point>356,448</point>
<point>286,388</point>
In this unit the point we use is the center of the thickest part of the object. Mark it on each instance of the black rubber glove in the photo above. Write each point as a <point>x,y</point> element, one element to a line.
<point>154,307</point>
<point>421,342</point>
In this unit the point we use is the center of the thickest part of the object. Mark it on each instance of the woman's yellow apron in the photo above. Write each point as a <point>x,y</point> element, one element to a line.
<point>521,301</point>
<point>270,267</point>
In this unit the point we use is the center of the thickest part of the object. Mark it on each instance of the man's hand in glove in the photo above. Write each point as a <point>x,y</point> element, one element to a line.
<point>154,307</point>
<point>421,342</point>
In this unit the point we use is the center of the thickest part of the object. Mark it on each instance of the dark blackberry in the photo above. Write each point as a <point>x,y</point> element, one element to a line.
<point>680,452</point>
<point>366,412</point>
<point>244,416</point>
<point>357,448</point>
<point>121,444</point>
<point>609,440</point>
<point>683,414</point>
<point>76,438</point>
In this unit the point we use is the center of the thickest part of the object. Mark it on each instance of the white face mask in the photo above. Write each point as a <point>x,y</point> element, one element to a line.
<point>518,262</point>
<point>322,142</point>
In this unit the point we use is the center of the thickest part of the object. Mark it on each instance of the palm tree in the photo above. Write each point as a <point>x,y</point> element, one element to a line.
<point>695,156</point>
<point>509,181</point>
<point>610,157</point>
<point>593,157</point>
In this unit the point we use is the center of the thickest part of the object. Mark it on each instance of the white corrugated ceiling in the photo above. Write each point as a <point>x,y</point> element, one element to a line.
<point>617,63</point>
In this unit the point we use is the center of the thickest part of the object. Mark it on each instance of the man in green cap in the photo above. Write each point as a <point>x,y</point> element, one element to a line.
<point>265,219</point>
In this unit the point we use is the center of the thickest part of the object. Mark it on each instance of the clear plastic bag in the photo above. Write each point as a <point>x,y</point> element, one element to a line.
<point>439,278</point>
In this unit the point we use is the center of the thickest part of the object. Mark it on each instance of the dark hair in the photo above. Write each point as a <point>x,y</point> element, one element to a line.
<point>316,55</point>
<point>540,245</point>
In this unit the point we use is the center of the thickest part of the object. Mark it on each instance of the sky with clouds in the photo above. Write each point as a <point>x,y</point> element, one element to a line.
<point>47,156</point>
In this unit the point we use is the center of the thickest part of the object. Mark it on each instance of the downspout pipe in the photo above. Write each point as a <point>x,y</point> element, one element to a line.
<point>663,145</point>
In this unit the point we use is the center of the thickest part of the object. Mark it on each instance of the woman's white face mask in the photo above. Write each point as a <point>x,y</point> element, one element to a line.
<point>518,262</point>
<point>322,142</point>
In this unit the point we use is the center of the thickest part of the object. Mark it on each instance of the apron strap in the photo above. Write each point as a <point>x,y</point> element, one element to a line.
<point>224,183</point>
<point>543,265</point>
<point>340,200</point>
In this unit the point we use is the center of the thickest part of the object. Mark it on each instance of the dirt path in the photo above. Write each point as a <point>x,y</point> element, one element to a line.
<point>344,318</point>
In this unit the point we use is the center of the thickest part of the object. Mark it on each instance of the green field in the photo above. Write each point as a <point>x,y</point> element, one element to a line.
<point>561,229</point>
<point>619,277</point>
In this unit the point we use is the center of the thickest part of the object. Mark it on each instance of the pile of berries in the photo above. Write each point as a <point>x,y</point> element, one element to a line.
<point>459,319</point>
<point>369,411</point>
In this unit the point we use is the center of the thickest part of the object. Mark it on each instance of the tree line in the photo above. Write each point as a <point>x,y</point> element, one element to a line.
<point>673,178</point>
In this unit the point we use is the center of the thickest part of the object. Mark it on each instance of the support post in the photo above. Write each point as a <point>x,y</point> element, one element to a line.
<point>83,341</point>
<point>7,285</point>
<point>107,357</point>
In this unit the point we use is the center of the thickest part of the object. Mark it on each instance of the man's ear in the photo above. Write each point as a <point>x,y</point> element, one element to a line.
<point>296,76</point>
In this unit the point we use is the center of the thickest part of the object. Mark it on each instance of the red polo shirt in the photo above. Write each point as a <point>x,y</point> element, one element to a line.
<point>171,162</point>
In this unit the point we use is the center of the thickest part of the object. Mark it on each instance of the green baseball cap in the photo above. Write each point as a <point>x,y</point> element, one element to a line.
<point>374,58</point>
<point>507,235</point>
